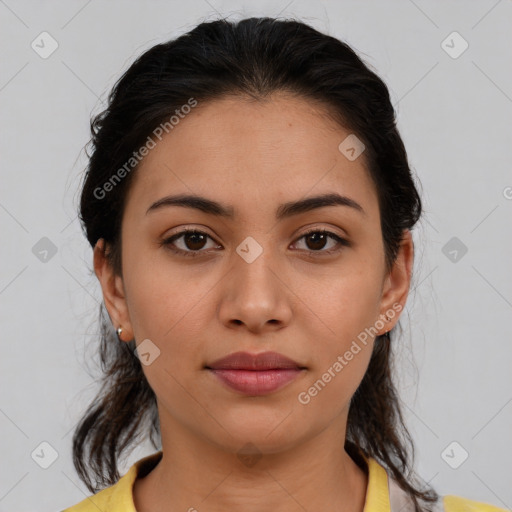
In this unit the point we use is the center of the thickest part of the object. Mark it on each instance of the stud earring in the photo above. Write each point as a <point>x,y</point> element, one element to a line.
<point>119,331</point>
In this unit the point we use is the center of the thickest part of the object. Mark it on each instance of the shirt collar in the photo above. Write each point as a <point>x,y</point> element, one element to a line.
<point>377,492</point>
<point>121,500</point>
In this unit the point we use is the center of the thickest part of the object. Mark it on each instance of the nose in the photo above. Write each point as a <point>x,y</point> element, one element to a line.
<point>255,295</point>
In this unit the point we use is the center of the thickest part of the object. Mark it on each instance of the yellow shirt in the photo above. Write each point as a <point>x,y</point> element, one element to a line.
<point>382,493</point>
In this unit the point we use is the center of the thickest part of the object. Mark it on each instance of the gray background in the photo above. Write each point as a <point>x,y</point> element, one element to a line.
<point>454,364</point>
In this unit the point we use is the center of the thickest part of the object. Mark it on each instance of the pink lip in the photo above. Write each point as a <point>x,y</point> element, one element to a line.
<point>257,382</point>
<point>256,374</point>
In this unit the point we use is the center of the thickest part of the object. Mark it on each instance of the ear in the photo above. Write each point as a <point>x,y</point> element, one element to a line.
<point>395,288</point>
<point>113,291</point>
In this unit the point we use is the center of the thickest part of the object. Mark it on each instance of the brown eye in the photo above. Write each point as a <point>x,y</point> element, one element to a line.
<point>192,242</point>
<point>317,239</point>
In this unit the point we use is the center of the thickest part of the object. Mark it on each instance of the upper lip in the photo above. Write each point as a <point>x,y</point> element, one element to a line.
<point>247,361</point>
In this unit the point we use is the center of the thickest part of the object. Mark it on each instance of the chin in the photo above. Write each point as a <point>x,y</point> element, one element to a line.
<point>266,434</point>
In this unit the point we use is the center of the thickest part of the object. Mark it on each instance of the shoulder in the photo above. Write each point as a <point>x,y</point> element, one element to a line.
<point>459,504</point>
<point>116,498</point>
<point>119,496</point>
<point>102,500</point>
<point>383,490</point>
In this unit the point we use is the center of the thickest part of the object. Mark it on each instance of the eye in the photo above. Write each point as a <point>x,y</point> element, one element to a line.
<point>195,240</point>
<point>318,238</point>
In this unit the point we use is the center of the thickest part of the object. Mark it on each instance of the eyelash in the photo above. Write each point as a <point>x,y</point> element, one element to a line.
<point>168,242</point>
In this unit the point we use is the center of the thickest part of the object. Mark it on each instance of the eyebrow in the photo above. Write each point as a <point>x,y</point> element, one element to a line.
<point>285,210</point>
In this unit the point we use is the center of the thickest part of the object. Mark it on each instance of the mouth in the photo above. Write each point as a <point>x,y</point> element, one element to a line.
<point>257,374</point>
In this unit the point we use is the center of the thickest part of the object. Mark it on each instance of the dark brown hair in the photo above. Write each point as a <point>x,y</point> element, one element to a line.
<point>253,58</point>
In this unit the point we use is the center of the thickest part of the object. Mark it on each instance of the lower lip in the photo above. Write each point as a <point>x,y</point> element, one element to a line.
<point>254,382</point>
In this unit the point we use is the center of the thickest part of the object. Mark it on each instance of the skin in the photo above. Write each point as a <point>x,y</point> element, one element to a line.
<point>252,156</point>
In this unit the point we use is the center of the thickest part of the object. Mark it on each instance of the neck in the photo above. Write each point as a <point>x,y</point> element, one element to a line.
<point>196,474</point>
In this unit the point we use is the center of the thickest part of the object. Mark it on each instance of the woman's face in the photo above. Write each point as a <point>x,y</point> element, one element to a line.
<point>252,281</point>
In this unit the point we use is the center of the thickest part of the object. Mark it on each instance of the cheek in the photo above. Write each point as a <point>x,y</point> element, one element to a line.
<point>329,392</point>
<point>170,307</point>
<point>339,360</point>
<point>345,308</point>
<point>161,296</point>
<point>341,305</point>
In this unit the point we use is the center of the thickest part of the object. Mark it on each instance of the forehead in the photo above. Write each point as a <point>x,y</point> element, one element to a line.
<point>237,150</point>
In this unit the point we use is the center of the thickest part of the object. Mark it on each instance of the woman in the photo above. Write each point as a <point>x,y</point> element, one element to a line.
<point>250,205</point>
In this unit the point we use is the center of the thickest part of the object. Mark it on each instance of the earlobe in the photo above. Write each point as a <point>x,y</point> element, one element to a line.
<point>397,283</point>
<point>112,289</point>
